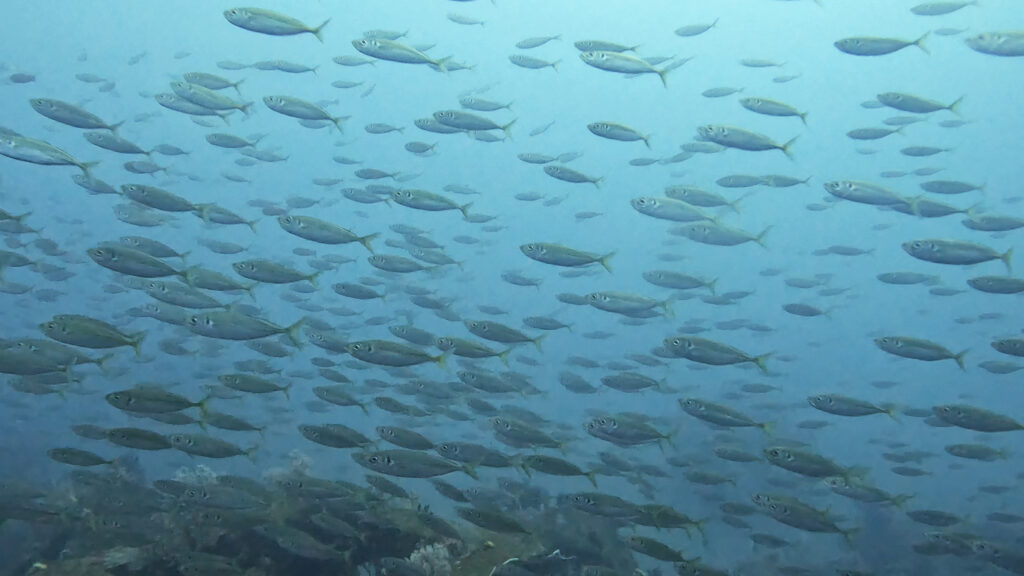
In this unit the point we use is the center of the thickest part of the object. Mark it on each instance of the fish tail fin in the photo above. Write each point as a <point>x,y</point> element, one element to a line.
<point>735,204</point>
<point>892,411</point>
<point>245,108</point>
<point>466,207</point>
<point>21,217</point>
<point>365,241</point>
<point>759,361</point>
<point>363,408</point>
<point>786,147</point>
<point>506,127</point>
<point>86,166</point>
<point>1005,257</point>
<point>441,65</point>
<point>441,359</point>
<point>517,462</point>
<point>857,472</point>
<point>592,476</point>
<point>503,356</point>
<point>235,86</point>
<point>312,278</point>
<point>667,306</point>
<point>470,471</point>
<point>647,141</point>
<point>900,499</point>
<point>760,237</point>
<point>224,116</point>
<point>803,117</point>
<point>920,43</point>
<point>293,332</point>
<point>135,341</point>
<point>286,390</point>
<point>251,453</point>
<point>711,285</point>
<point>662,74</point>
<point>318,31</point>
<point>536,342</point>
<point>597,181</point>
<point>850,535</point>
<point>101,362</point>
<point>337,120</point>
<point>113,127</point>
<point>554,65</point>
<point>955,106</point>
<point>604,262</point>
<point>960,359</point>
<point>767,427</point>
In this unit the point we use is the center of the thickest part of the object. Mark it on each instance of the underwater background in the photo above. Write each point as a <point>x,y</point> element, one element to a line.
<point>704,287</point>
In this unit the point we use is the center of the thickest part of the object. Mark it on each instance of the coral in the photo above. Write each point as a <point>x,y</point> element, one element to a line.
<point>125,555</point>
<point>301,462</point>
<point>201,474</point>
<point>432,559</point>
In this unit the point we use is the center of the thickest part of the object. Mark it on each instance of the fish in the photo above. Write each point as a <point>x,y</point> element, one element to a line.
<point>566,174</point>
<point>975,418</point>
<point>769,107</point>
<point>271,23</point>
<point>841,405</point>
<point>151,399</point>
<point>559,255</point>
<point>234,325</point>
<point>323,232</point>
<point>955,252</point>
<point>876,46</point>
<point>720,415</point>
<point>1008,44</point>
<point>40,152</point>
<point>616,61</point>
<point>409,464</point>
<point>620,132</point>
<point>72,115</point>
<point>916,104</point>
<point>297,108</point>
<point>918,349</point>
<point>742,139</point>
<point>390,50</point>
<point>386,353</point>
<point>87,332</point>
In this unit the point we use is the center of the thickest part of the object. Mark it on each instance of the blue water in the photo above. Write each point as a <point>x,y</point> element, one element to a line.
<point>834,354</point>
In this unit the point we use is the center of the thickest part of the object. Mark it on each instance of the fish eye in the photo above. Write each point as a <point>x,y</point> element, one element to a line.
<point>373,459</point>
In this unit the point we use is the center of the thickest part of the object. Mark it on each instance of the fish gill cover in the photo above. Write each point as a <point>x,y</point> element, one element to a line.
<point>437,288</point>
